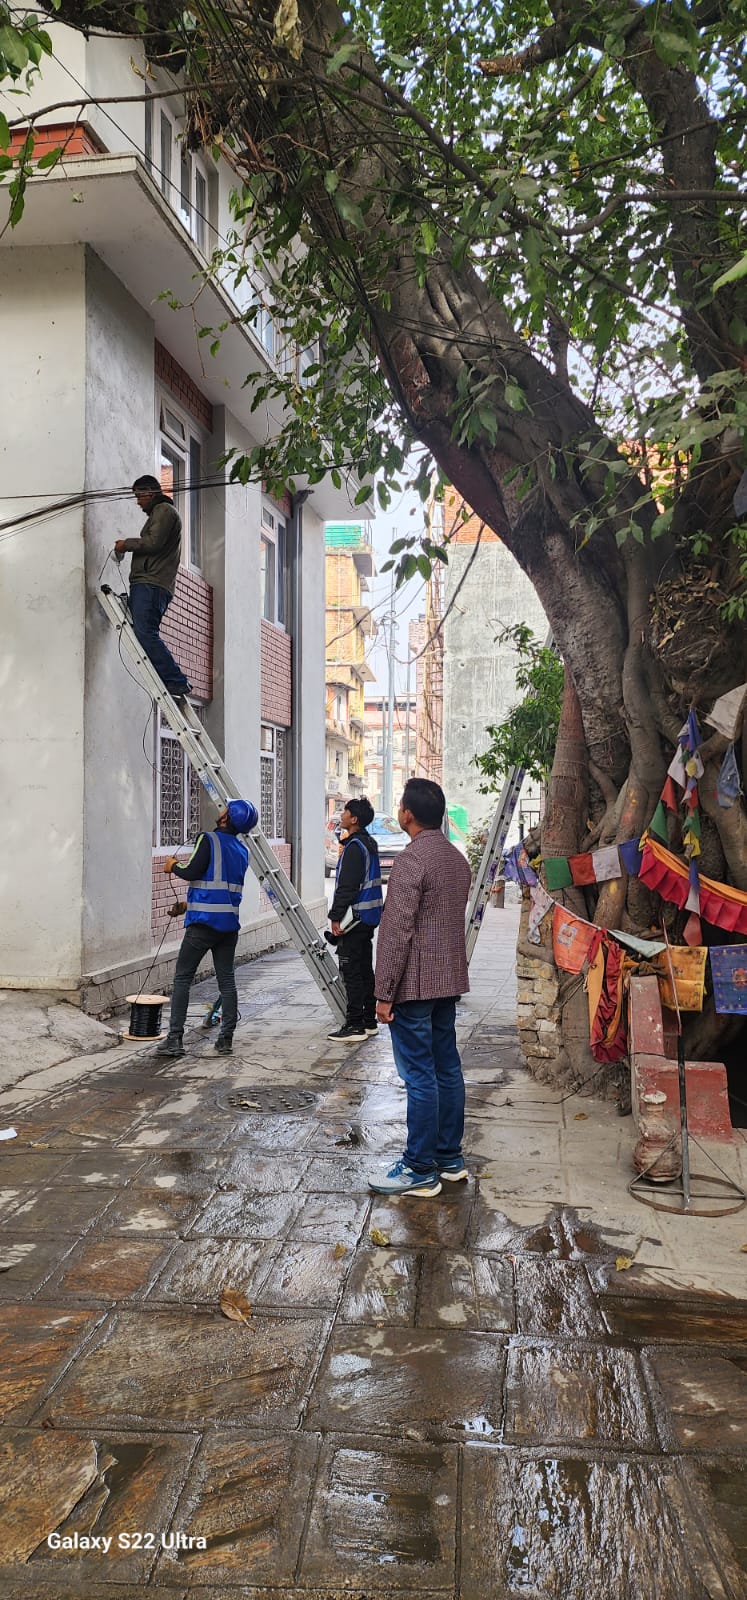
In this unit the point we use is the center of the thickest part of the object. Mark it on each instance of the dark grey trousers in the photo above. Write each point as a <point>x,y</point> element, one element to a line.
<point>198,939</point>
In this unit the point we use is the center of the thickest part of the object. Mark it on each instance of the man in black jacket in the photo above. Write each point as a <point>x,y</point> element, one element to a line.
<point>353,915</point>
<point>153,569</point>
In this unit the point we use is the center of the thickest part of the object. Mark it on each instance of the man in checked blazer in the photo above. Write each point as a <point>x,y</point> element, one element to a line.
<point>421,970</point>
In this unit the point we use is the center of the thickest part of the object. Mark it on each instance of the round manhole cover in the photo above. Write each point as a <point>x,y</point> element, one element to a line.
<point>275,1100</point>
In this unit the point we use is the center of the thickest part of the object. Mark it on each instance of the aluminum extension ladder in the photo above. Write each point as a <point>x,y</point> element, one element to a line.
<point>217,780</point>
<point>491,856</point>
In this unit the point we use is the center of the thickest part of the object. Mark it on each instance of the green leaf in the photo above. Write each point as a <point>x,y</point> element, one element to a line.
<point>383,496</point>
<point>49,159</point>
<point>4,132</point>
<point>515,397</point>
<point>364,494</point>
<point>331,181</point>
<point>349,210</point>
<point>350,48</point>
<point>13,47</point>
<point>336,478</point>
<point>429,235</point>
<point>739,270</point>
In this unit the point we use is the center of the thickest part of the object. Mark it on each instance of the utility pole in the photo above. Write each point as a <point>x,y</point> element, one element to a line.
<point>388,797</point>
<point>407,715</point>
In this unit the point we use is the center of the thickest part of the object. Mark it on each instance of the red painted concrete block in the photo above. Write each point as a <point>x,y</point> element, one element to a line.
<point>646,1026</point>
<point>705,1086</point>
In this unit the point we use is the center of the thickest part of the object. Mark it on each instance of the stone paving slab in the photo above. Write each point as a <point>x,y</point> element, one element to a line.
<point>36,1344</point>
<point>381,1288</point>
<point>28,1261</point>
<point>248,1498</point>
<point>62,1210</point>
<point>391,1380</point>
<point>704,1398</point>
<point>459,1291</point>
<point>74,1483</point>
<point>636,1320</point>
<point>176,1369</point>
<point>107,1270</point>
<point>560,1393</point>
<point>554,1528</point>
<point>241,1214</point>
<point>383,1514</point>
<point>554,1297</point>
<point>420,1224</point>
<point>198,1270</point>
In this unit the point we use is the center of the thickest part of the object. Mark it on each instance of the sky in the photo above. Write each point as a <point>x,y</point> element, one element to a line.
<point>404,517</point>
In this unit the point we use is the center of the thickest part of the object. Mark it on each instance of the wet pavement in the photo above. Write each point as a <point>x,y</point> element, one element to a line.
<point>529,1388</point>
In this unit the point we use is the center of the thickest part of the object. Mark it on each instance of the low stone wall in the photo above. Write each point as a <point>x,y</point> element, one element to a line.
<point>538,1007</point>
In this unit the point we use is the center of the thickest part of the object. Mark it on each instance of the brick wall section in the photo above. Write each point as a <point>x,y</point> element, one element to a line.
<point>187,629</point>
<point>162,898</point>
<point>276,675</point>
<point>76,139</point>
<point>282,852</point>
<point>283,504</point>
<point>178,382</point>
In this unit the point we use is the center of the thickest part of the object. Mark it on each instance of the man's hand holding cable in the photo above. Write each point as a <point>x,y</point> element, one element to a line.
<point>170,863</point>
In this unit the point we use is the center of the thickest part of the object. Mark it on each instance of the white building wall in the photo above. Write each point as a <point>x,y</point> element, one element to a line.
<point>120,445</point>
<point>313,695</point>
<point>479,672</point>
<point>42,454</point>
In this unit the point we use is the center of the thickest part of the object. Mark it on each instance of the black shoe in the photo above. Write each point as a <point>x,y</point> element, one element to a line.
<point>171,1046</point>
<point>224,1044</point>
<point>372,1029</point>
<point>351,1030</point>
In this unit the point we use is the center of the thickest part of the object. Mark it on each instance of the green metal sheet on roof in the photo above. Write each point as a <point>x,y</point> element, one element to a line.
<point>344,535</point>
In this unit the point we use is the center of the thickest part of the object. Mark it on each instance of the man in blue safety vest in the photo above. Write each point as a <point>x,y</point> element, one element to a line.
<point>215,873</point>
<point>354,914</point>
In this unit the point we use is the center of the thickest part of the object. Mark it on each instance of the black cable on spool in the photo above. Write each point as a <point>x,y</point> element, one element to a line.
<point>145,1016</point>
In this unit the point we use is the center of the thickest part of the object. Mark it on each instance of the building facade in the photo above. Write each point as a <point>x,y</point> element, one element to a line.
<point>485,591</point>
<point>103,292</point>
<point>349,630</point>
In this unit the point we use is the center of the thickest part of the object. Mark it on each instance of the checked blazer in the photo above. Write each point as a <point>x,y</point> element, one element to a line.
<point>421,953</point>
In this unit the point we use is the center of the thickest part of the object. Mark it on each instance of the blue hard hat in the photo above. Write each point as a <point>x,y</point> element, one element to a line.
<point>242,815</point>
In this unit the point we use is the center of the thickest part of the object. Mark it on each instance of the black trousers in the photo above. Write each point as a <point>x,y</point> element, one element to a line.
<point>354,954</point>
<point>199,938</point>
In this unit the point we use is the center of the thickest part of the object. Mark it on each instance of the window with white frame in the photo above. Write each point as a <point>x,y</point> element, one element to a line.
<point>176,809</point>
<point>194,197</point>
<point>180,473</point>
<point>273,567</point>
<point>272,781</point>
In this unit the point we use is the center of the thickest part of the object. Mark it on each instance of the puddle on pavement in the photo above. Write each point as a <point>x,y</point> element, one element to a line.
<point>676,1321</point>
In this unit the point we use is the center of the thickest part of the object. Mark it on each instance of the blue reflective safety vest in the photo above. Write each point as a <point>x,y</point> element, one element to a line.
<point>215,899</point>
<point>369,905</point>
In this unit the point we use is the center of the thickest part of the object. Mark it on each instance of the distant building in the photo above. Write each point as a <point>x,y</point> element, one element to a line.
<point>403,763</point>
<point>349,564</point>
<point>485,591</point>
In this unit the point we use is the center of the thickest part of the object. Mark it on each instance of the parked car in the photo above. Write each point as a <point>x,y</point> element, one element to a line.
<point>390,839</point>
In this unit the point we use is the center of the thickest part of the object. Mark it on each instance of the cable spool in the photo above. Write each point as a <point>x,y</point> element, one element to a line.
<point>145,1015</point>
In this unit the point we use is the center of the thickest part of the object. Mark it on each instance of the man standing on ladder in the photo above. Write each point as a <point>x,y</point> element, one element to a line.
<point>215,873</point>
<point>153,570</point>
<point>354,914</point>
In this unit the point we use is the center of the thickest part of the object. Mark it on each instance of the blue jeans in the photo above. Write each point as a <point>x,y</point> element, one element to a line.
<point>427,1060</point>
<point>148,606</point>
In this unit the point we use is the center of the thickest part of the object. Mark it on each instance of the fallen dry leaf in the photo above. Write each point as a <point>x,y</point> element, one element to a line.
<point>622,1263</point>
<point>581,1116</point>
<point>234,1304</point>
<point>743,1248</point>
<point>339,1251</point>
<point>377,1237</point>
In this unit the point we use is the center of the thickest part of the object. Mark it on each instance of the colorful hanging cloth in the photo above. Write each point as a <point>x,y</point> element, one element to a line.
<point>720,904</point>
<point>582,869</point>
<point>557,872</point>
<point>571,937</point>
<point>606,863</point>
<point>605,989</point>
<point>517,867</point>
<point>688,967</point>
<point>542,902</point>
<point>729,973</point>
<point>630,856</point>
<point>729,785</point>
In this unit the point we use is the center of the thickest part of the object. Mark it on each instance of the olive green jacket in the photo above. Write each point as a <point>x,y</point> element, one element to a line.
<point>155,555</point>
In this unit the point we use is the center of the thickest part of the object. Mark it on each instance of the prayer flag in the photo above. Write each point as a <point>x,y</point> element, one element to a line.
<point>729,972</point>
<point>571,939</point>
<point>557,872</point>
<point>630,856</point>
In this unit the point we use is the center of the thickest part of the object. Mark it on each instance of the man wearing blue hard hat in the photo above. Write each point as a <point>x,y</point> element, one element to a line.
<point>215,873</point>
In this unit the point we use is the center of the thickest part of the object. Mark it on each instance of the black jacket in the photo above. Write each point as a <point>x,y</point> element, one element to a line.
<point>352,870</point>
